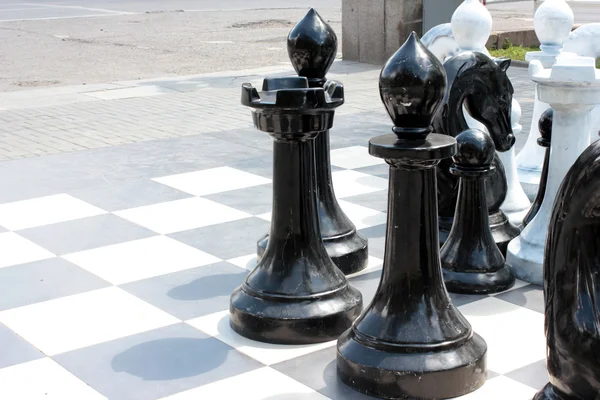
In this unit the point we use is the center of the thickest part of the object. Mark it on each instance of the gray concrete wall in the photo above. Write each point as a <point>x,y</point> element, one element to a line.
<point>437,12</point>
<point>372,30</point>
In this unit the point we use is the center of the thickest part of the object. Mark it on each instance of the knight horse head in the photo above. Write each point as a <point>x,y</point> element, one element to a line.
<point>481,85</point>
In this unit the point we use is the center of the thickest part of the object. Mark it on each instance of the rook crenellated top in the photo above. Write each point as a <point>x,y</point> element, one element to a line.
<point>289,108</point>
<point>293,94</point>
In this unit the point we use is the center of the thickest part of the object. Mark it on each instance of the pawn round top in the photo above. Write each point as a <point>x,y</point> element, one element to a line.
<point>545,128</point>
<point>412,85</point>
<point>471,25</point>
<point>515,116</point>
<point>475,150</point>
<point>312,46</point>
<point>553,22</point>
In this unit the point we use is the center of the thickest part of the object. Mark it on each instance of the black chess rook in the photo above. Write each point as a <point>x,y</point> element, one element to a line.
<point>472,262</point>
<point>295,294</point>
<point>411,341</point>
<point>312,48</point>
<point>571,284</point>
<point>545,128</point>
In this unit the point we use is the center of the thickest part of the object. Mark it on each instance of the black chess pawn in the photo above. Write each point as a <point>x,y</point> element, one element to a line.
<point>296,294</point>
<point>312,47</point>
<point>545,128</point>
<point>472,262</point>
<point>411,341</point>
<point>572,284</point>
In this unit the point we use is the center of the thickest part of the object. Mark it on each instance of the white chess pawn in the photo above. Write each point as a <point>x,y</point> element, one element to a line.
<point>552,22</point>
<point>471,27</point>
<point>572,88</point>
<point>517,204</point>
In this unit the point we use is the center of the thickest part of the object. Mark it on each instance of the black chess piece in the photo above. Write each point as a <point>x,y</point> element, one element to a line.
<point>545,128</point>
<point>312,47</point>
<point>411,341</point>
<point>572,284</point>
<point>479,85</point>
<point>295,294</point>
<point>472,262</point>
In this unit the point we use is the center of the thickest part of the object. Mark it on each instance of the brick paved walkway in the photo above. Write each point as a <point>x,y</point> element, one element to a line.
<point>51,121</point>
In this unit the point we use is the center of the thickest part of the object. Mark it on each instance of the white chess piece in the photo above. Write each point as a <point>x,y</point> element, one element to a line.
<point>585,41</point>
<point>553,22</point>
<point>572,88</point>
<point>471,27</point>
<point>440,41</point>
<point>516,205</point>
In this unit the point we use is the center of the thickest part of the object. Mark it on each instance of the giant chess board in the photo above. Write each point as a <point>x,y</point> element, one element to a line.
<point>117,265</point>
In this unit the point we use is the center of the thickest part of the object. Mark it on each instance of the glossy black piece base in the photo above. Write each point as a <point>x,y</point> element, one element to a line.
<point>293,320</point>
<point>502,230</point>
<point>479,283</point>
<point>349,252</point>
<point>392,372</point>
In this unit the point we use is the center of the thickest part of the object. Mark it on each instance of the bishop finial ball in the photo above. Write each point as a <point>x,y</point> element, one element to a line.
<point>475,149</point>
<point>545,124</point>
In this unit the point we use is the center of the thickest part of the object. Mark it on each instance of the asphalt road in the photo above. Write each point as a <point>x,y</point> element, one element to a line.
<point>11,10</point>
<point>47,43</point>
<point>50,43</point>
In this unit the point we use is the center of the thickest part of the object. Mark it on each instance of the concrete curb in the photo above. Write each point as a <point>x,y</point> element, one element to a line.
<point>519,63</point>
<point>525,38</point>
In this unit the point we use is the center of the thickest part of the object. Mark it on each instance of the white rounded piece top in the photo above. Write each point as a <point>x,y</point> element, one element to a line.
<point>553,22</point>
<point>471,25</point>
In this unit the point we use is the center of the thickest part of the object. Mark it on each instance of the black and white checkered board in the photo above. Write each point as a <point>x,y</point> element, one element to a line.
<point>117,265</point>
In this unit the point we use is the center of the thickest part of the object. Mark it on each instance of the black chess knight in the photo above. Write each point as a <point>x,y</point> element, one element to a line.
<point>479,85</point>
<point>411,342</point>
<point>296,294</point>
<point>472,262</point>
<point>572,284</point>
<point>312,47</point>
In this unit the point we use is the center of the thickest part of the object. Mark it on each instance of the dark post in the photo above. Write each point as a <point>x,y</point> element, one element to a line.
<point>545,128</point>
<point>312,47</point>
<point>471,260</point>
<point>295,295</point>
<point>411,342</point>
<point>572,285</point>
